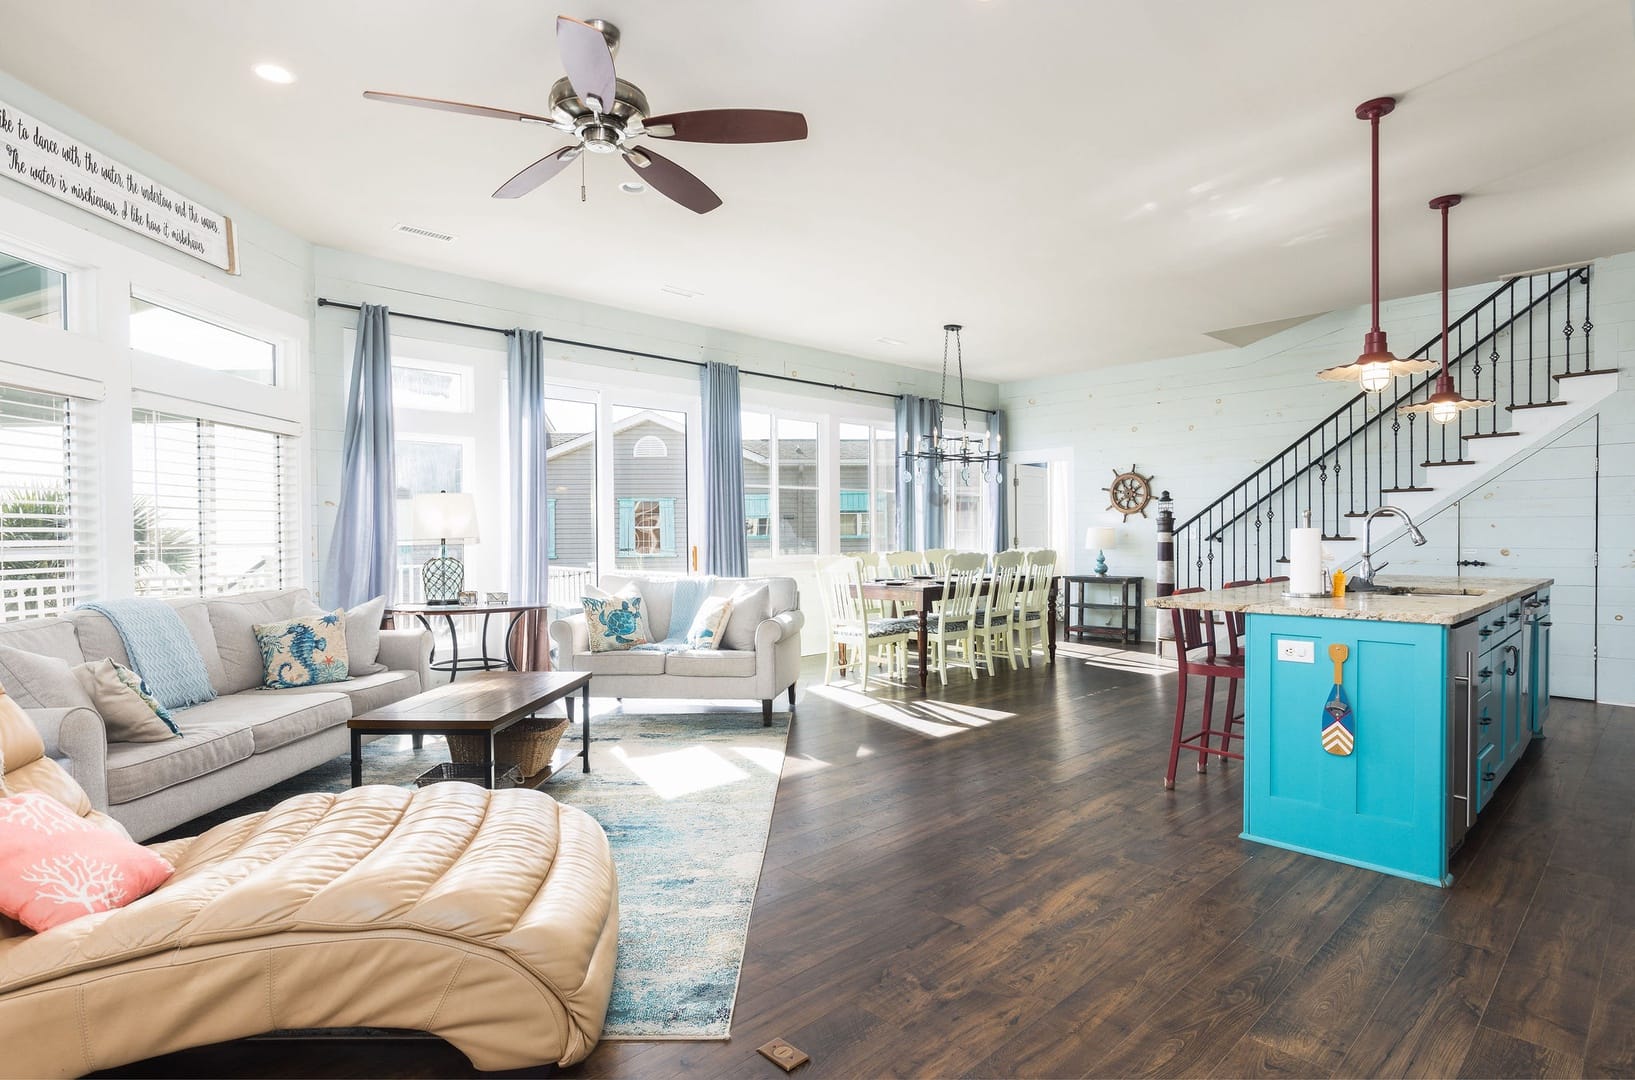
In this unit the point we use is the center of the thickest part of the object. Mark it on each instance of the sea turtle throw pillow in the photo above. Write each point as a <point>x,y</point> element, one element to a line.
<point>304,651</point>
<point>615,623</point>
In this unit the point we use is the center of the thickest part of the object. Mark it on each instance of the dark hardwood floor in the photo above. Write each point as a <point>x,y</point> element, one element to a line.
<point>993,882</point>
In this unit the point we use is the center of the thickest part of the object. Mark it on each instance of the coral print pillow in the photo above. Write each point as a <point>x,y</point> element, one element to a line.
<point>304,651</point>
<point>614,622</point>
<point>55,867</point>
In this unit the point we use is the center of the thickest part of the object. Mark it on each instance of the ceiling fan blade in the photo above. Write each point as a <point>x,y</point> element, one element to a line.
<point>454,106</point>
<point>588,60</point>
<point>671,180</point>
<point>537,173</point>
<point>728,126</point>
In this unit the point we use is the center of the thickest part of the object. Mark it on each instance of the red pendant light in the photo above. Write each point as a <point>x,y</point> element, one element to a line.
<point>1444,404</point>
<point>1376,367</point>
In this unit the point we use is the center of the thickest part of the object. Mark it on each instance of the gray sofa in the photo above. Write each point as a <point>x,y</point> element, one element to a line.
<point>244,740</point>
<point>758,660</point>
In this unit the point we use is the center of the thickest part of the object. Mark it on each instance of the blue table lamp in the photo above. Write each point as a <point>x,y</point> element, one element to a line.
<point>1097,538</point>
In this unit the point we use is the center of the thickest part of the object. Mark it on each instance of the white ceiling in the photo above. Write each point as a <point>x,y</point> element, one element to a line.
<point>1081,182</point>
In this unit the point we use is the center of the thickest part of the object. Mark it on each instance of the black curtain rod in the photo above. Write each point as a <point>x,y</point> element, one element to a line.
<point>325,302</point>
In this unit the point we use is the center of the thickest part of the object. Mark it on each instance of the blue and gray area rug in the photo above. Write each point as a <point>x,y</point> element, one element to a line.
<point>686,800</point>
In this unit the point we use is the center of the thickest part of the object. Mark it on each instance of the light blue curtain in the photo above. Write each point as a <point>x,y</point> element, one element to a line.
<point>725,554</point>
<point>997,488</point>
<point>530,506</point>
<point>363,548</point>
<point>919,497</point>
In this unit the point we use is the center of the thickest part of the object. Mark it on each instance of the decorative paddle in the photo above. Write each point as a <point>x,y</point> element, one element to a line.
<point>1339,736</point>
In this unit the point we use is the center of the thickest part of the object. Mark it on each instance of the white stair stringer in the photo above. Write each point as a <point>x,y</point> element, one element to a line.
<point>1534,427</point>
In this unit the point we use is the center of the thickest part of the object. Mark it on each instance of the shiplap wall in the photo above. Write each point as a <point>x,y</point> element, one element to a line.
<point>1199,424</point>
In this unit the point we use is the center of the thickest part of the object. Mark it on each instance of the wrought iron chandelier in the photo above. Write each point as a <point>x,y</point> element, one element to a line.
<point>1377,365</point>
<point>936,453</point>
<point>1445,403</point>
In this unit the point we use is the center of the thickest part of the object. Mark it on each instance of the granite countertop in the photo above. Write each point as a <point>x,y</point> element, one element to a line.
<point>1461,599</point>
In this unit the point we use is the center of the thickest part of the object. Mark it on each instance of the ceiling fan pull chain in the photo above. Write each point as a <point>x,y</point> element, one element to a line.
<point>582,178</point>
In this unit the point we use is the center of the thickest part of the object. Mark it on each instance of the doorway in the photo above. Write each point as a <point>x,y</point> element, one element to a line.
<point>1030,517</point>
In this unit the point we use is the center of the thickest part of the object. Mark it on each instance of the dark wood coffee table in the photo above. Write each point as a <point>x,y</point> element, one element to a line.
<point>483,703</point>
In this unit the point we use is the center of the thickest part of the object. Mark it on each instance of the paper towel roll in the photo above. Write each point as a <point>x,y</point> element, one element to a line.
<point>1305,560</point>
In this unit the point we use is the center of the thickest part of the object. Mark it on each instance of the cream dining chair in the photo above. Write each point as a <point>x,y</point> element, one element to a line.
<point>952,620</point>
<point>851,625</point>
<point>905,563</point>
<point>996,616</point>
<point>936,560</point>
<point>1033,604</point>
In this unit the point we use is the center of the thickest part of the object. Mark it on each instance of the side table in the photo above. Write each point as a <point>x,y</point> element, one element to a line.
<point>1083,600</point>
<point>527,623</point>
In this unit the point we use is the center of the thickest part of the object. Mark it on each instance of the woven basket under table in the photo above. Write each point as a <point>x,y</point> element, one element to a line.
<point>528,744</point>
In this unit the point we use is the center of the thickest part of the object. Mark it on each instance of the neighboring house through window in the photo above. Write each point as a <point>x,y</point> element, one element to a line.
<point>647,527</point>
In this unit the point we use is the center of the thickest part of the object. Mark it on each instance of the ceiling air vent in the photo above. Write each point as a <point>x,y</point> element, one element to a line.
<point>428,234</point>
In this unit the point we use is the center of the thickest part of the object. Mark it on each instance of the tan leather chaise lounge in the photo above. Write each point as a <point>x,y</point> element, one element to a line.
<point>487,918</point>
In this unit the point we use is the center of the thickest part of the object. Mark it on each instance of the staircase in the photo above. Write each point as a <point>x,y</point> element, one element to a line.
<point>1525,346</point>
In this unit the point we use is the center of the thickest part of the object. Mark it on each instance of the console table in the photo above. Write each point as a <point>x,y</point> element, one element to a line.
<point>1087,593</point>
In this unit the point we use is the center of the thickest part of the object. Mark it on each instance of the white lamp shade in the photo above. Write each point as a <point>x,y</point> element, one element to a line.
<point>447,515</point>
<point>1100,537</point>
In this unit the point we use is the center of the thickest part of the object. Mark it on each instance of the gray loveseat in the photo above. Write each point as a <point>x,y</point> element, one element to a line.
<point>241,742</point>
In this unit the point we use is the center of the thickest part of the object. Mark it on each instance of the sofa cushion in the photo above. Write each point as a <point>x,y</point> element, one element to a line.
<point>275,717</point>
<point>721,663</point>
<point>99,640</point>
<point>38,681</point>
<point>751,606</point>
<point>308,650</point>
<point>212,738</point>
<point>53,638</point>
<point>232,619</point>
<point>628,662</point>
<point>658,597</point>
<point>365,692</point>
<point>362,633</point>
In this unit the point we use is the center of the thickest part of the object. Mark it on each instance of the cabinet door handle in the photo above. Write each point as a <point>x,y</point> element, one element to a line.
<point>1485,673</point>
<point>1516,655</point>
<point>1485,632</point>
<point>1485,721</point>
<point>1546,622</point>
<point>1488,776</point>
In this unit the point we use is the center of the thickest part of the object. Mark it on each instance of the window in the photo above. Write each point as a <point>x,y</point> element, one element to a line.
<point>417,384</point>
<point>965,515</point>
<point>649,488</point>
<point>868,471</point>
<point>47,558</point>
<point>570,470</point>
<point>212,509</point>
<point>425,467</point>
<point>173,334</point>
<point>647,527</point>
<point>797,487</point>
<point>33,292</point>
<point>757,443</point>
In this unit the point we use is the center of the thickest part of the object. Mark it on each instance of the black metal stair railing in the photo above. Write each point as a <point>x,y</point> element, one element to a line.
<point>1513,347</point>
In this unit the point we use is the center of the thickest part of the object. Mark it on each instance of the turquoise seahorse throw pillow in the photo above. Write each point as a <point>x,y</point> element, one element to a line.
<point>615,622</point>
<point>304,651</point>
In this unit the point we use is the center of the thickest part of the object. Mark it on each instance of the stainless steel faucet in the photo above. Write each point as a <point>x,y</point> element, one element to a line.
<point>1365,582</point>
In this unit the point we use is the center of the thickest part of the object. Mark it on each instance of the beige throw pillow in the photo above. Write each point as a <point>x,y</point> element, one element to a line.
<point>362,634</point>
<point>751,606</point>
<point>127,716</point>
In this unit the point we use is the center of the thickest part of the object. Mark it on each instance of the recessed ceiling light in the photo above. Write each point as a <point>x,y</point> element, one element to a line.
<point>274,73</point>
<point>632,187</point>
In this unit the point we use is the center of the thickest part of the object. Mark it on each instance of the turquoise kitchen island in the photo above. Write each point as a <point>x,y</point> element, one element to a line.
<point>1448,681</point>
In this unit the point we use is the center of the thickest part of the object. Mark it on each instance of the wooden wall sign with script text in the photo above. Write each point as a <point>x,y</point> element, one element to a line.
<point>45,159</point>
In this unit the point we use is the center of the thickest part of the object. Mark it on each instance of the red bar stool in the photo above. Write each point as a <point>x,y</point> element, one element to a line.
<point>1196,654</point>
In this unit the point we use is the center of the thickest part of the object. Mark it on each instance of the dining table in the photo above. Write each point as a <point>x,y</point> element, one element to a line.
<point>920,593</point>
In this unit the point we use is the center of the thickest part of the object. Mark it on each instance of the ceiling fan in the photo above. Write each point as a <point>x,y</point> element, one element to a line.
<point>605,114</point>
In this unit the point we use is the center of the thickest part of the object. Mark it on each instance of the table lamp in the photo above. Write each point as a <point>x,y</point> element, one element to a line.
<point>443,517</point>
<point>1098,537</point>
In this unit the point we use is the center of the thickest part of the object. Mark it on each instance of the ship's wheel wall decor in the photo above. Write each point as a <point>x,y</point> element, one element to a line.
<point>1129,493</point>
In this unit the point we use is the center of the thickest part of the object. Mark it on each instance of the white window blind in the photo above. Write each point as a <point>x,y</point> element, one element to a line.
<point>213,507</point>
<point>47,550</point>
